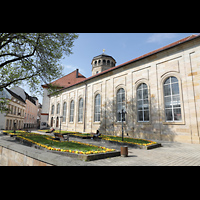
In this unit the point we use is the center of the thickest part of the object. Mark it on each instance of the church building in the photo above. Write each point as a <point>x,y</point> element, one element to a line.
<point>157,96</point>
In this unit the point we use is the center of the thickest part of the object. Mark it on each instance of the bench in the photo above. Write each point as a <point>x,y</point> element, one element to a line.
<point>51,131</point>
<point>60,137</point>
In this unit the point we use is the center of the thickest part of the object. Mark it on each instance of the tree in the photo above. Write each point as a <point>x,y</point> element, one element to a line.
<point>33,57</point>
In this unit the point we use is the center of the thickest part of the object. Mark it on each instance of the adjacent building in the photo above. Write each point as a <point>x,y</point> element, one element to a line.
<point>31,110</point>
<point>15,116</point>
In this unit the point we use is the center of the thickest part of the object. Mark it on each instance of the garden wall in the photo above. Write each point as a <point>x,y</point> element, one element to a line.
<point>12,154</point>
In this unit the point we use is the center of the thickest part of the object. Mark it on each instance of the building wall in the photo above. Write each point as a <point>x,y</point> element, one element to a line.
<point>31,114</point>
<point>182,61</point>
<point>15,115</point>
<point>45,109</point>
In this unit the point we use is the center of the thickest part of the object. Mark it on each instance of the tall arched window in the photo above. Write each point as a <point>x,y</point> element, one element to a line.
<point>121,105</point>
<point>97,108</point>
<point>172,100</point>
<point>52,109</point>
<point>80,110</point>
<point>71,117</point>
<point>58,109</point>
<point>64,111</point>
<point>142,103</point>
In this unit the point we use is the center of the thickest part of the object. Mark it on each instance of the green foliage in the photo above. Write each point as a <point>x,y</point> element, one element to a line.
<point>3,103</point>
<point>33,57</point>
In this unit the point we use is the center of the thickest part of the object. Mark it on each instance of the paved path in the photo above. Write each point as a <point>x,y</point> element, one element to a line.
<point>171,154</point>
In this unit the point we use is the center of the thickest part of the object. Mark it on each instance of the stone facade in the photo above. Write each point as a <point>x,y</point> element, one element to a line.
<point>16,113</point>
<point>180,60</point>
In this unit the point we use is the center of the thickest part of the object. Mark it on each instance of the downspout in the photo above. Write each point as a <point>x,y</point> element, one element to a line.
<point>84,124</point>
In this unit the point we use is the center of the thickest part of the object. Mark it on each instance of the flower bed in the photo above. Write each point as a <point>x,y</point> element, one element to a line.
<point>132,142</point>
<point>72,134</point>
<point>83,151</point>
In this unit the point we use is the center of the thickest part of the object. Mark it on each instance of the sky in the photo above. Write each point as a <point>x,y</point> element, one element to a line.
<point>121,46</point>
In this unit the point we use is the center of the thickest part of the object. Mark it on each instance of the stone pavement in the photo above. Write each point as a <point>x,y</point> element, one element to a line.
<point>170,154</point>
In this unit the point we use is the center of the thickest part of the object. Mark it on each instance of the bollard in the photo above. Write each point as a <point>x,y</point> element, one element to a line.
<point>124,151</point>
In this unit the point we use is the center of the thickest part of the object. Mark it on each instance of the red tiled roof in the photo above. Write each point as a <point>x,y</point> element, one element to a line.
<point>141,57</point>
<point>68,80</point>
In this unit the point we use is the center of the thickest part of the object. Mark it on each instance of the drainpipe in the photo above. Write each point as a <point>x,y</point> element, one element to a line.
<point>84,124</point>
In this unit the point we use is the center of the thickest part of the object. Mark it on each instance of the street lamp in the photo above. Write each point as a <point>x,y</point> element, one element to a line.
<point>122,113</point>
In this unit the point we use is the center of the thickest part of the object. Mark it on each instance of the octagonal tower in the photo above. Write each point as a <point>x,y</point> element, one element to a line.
<point>101,63</point>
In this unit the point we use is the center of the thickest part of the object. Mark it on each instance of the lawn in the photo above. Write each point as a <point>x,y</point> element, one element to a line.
<point>50,143</point>
<point>74,146</point>
<point>128,140</point>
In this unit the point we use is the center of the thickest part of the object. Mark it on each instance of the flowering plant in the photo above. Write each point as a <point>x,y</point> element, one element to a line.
<point>104,149</point>
<point>116,139</point>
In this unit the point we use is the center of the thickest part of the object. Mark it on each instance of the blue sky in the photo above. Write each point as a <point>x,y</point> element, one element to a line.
<point>121,46</point>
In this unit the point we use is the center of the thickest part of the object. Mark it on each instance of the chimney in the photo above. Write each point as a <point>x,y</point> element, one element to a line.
<point>76,73</point>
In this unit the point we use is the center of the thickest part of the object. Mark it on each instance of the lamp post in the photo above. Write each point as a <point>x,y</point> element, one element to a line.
<point>122,113</point>
<point>60,123</point>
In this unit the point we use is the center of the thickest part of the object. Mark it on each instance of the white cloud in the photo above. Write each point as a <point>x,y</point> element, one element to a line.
<point>69,68</point>
<point>160,37</point>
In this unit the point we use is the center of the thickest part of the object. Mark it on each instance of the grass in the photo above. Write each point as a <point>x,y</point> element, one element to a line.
<point>134,140</point>
<point>74,146</point>
<point>48,141</point>
<point>63,145</point>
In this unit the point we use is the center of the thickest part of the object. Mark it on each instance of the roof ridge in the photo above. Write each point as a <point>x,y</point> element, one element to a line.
<point>15,95</point>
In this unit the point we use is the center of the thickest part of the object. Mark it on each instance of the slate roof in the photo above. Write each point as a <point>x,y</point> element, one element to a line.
<point>15,95</point>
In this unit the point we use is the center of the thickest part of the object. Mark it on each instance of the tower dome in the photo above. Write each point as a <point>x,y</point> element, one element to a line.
<point>101,63</point>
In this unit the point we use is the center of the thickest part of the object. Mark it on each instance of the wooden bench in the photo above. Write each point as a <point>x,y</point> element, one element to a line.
<point>60,136</point>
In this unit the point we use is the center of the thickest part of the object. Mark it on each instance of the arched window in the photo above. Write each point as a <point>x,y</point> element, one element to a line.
<point>58,109</point>
<point>108,62</point>
<point>172,100</point>
<point>104,62</point>
<point>80,110</point>
<point>64,111</point>
<point>121,105</point>
<point>52,109</point>
<point>71,117</point>
<point>97,108</point>
<point>142,103</point>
